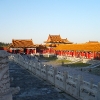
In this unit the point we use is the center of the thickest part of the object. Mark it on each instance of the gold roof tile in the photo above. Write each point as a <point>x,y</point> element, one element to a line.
<point>22,43</point>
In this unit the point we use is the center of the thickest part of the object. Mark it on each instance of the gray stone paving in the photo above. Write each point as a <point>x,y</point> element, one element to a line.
<point>33,88</point>
<point>75,72</point>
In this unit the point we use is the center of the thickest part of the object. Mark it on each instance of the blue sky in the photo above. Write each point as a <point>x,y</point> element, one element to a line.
<point>77,20</point>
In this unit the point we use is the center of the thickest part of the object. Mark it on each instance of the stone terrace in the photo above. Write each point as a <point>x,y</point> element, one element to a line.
<point>33,88</point>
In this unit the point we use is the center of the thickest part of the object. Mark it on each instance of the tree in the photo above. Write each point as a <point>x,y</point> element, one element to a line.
<point>2,44</point>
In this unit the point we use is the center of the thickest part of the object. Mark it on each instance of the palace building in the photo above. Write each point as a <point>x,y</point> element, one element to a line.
<point>57,46</point>
<point>22,46</point>
<point>53,41</point>
<point>89,50</point>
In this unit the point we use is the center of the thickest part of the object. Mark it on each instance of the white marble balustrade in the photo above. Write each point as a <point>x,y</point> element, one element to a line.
<point>75,86</point>
<point>5,90</point>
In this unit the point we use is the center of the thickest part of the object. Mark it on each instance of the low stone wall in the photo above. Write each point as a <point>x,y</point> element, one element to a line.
<point>91,61</point>
<point>74,86</point>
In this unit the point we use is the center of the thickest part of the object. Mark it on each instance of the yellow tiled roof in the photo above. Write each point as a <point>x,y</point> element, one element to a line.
<point>92,42</point>
<point>81,47</point>
<point>54,39</point>
<point>66,41</point>
<point>57,39</point>
<point>21,43</point>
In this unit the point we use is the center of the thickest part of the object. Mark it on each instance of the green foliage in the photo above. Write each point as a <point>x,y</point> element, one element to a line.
<point>78,64</point>
<point>54,58</point>
<point>49,58</point>
<point>3,44</point>
<point>63,60</point>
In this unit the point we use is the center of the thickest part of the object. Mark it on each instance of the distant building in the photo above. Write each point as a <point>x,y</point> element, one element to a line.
<point>57,46</point>
<point>88,50</point>
<point>22,46</point>
<point>54,41</point>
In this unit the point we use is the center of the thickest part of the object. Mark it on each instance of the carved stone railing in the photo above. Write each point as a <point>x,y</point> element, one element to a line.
<point>5,90</point>
<point>74,86</point>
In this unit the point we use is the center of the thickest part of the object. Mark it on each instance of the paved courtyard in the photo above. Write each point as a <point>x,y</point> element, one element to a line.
<point>75,72</point>
<point>33,88</point>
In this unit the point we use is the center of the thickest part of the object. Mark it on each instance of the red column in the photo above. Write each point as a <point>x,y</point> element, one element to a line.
<point>60,53</point>
<point>89,55</point>
<point>27,51</point>
<point>73,53</point>
<point>70,53</point>
<point>79,53</point>
<point>56,52</point>
<point>63,53</point>
<point>53,51</point>
<point>86,54</point>
<point>67,53</point>
<point>33,51</point>
<point>94,55</point>
<point>82,54</point>
<point>49,50</point>
<point>76,53</point>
